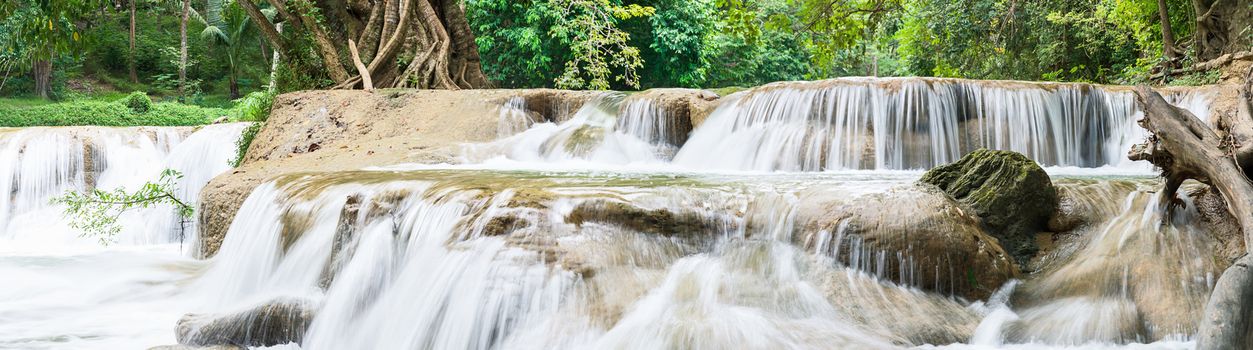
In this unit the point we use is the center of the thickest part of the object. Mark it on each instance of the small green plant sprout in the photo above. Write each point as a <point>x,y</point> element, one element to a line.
<point>96,212</point>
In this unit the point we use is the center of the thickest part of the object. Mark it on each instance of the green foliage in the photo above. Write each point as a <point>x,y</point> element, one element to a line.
<point>138,102</point>
<point>88,112</point>
<point>674,42</point>
<point>96,212</point>
<point>255,107</point>
<point>597,45</point>
<point>227,29</point>
<point>245,141</point>
<point>514,42</point>
<point>1198,78</point>
<point>1070,40</point>
<point>43,30</point>
<point>749,58</point>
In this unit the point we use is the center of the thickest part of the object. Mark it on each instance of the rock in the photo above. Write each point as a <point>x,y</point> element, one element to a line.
<point>276,322</point>
<point>185,347</point>
<point>916,236</point>
<point>1226,324</point>
<point>1012,195</point>
<point>1217,220</point>
<point>222,120</point>
<point>659,221</point>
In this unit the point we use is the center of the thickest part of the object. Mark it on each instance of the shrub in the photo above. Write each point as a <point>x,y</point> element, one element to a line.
<point>245,141</point>
<point>138,102</point>
<point>104,113</point>
<point>254,107</point>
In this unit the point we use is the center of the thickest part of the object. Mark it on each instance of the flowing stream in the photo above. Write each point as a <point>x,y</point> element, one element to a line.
<point>612,230</point>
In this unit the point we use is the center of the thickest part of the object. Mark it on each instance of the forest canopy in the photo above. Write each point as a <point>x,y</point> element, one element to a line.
<point>210,52</point>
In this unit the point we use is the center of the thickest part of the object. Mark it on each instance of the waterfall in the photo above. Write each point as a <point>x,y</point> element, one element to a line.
<point>609,129</point>
<point>490,259</point>
<point>911,123</point>
<point>39,164</point>
<point>535,243</point>
<point>514,117</point>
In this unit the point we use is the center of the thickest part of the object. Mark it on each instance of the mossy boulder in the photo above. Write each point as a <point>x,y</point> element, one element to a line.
<point>1012,195</point>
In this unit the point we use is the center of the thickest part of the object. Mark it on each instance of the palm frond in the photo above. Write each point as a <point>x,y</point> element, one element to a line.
<point>215,34</point>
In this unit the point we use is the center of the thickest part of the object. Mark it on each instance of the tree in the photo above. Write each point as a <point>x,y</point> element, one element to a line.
<point>401,43</point>
<point>1184,148</point>
<point>39,31</point>
<point>1168,35</point>
<point>226,26</point>
<point>597,44</point>
<point>182,58</point>
<point>131,54</point>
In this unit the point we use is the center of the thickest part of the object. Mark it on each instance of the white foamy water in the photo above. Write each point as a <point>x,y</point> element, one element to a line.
<point>607,231</point>
<point>64,291</point>
<point>906,123</point>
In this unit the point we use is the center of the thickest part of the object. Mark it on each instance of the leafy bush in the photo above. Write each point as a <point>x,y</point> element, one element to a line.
<point>104,113</point>
<point>138,102</point>
<point>1198,78</point>
<point>245,141</point>
<point>255,107</point>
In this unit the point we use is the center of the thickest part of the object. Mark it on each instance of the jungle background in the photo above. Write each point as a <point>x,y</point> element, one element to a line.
<point>171,62</point>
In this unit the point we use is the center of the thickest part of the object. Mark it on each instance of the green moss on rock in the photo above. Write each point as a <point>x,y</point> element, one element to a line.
<point>659,221</point>
<point>1010,192</point>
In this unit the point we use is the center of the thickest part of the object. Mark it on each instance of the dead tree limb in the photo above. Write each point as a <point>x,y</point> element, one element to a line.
<point>1204,66</point>
<point>366,83</point>
<point>1184,148</point>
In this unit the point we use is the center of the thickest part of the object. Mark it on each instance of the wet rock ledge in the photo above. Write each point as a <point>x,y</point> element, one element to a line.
<point>317,131</point>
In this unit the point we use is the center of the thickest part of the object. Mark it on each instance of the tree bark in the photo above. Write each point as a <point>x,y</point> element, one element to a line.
<point>182,58</point>
<point>1184,148</point>
<point>465,56</point>
<point>367,84</point>
<point>42,74</point>
<point>326,47</point>
<point>131,64</point>
<point>436,31</point>
<point>1187,149</point>
<point>273,86</point>
<point>267,29</point>
<point>1168,35</point>
<point>1211,33</point>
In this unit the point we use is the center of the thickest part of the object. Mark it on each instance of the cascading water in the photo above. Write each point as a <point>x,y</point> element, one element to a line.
<point>483,259</point>
<point>608,231</point>
<point>915,124</point>
<point>64,291</point>
<point>611,128</point>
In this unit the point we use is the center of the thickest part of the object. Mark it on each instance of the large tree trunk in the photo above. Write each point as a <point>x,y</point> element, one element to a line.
<point>1211,35</point>
<point>273,86</point>
<point>1168,35</point>
<point>267,29</point>
<point>436,32</point>
<point>131,64</point>
<point>1184,148</point>
<point>41,71</point>
<point>182,57</point>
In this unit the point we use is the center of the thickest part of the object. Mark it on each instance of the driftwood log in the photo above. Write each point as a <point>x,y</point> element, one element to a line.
<point>1185,148</point>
